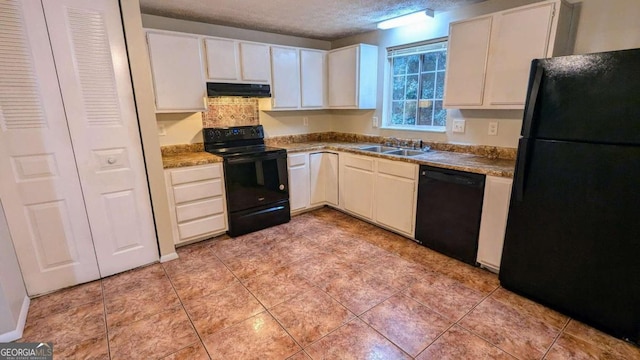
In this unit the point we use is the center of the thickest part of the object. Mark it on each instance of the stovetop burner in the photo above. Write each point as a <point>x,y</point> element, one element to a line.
<point>239,140</point>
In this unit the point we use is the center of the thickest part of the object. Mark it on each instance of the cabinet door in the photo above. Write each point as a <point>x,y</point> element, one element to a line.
<point>324,178</point>
<point>298,181</point>
<point>396,195</point>
<point>313,72</point>
<point>254,63</point>
<point>285,78</point>
<point>222,59</point>
<point>357,185</point>
<point>343,81</point>
<point>520,36</point>
<point>39,185</point>
<point>176,66</point>
<point>104,130</point>
<point>495,209</point>
<point>467,62</point>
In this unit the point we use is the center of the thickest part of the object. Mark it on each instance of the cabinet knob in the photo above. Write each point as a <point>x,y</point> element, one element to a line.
<point>111,160</point>
<point>281,187</point>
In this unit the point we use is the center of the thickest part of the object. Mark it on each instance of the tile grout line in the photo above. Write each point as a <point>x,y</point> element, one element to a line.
<point>193,326</point>
<point>556,338</point>
<point>106,325</point>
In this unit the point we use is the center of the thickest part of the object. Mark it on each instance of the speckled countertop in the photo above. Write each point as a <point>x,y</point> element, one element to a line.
<point>176,156</point>
<point>443,159</point>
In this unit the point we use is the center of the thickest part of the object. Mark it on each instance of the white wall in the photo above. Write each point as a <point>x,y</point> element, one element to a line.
<point>602,25</point>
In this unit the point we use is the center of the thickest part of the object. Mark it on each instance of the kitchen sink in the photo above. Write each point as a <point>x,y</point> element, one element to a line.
<point>390,150</point>
<point>405,152</point>
<point>378,148</point>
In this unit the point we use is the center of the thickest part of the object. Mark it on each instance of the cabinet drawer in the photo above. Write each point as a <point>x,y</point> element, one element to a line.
<point>201,226</point>
<point>359,163</point>
<point>195,174</point>
<point>199,209</point>
<point>297,159</point>
<point>197,191</point>
<point>397,168</point>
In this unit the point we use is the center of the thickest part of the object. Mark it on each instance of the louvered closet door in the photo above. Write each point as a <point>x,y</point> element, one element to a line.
<point>39,183</point>
<point>93,70</point>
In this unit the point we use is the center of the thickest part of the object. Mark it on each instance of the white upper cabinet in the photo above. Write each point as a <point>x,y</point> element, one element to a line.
<point>234,61</point>
<point>254,63</point>
<point>489,57</point>
<point>353,77</point>
<point>285,67</point>
<point>222,59</point>
<point>313,75</point>
<point>297,79</point>
<point>177,69</point>
<point>467,54</point>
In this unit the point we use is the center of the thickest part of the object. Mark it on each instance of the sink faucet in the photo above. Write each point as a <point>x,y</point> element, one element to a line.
<point>391,142</point>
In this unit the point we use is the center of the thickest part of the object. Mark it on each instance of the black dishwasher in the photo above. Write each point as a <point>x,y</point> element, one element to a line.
<point>449,210</point>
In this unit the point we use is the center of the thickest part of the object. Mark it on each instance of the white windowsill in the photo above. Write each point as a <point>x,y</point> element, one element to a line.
<point>433,129</point>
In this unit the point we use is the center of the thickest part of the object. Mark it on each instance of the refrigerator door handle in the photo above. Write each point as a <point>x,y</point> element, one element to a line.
<point>535,79</point>
<point>521,169</point>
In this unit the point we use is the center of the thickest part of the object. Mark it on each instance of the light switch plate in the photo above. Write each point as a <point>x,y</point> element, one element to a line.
<point>162,131</point>
<point>493,128</point>
<point>305,121</point>
<point>374,121</point>
<point>458,126</point>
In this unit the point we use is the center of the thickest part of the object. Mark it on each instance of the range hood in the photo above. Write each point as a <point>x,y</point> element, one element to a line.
<point>244,90</point>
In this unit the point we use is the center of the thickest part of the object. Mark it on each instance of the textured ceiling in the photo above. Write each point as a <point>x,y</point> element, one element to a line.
<point>325,20</point>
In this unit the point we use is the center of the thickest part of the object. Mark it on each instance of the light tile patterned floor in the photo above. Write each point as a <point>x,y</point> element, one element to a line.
<point>324,286</point>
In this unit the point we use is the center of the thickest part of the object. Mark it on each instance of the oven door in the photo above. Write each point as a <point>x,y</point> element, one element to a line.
<point>254,180</point>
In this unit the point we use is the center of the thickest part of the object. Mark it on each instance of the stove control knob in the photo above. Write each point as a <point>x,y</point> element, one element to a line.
<point>217,133</point>
<point>281,187</point>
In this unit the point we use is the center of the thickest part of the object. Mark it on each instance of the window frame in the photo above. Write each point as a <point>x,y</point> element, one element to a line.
<point>388,88</point>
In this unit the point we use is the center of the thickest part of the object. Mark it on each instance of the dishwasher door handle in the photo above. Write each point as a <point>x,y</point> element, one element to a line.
<point>453,179</point>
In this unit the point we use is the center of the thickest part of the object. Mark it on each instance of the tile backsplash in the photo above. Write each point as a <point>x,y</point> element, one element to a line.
<point>230,111</point>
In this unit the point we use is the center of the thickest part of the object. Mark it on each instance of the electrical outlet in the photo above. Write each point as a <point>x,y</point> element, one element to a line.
<point>493,128</point>
<point>305,121</point>
<point>374,121</point>
<point>162,131</point>
<point>458,126</point>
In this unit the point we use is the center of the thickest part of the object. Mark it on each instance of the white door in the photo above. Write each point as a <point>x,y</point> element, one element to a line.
<point>39,182</point>
<point>323,168</point>
<point>343,80</point>
<point>313,75</point>
<point>254,63</point>
<point>88,46</point>
<point>285,78</point>
<point>520,36</point>
<point>395,202</point>
<point>222,59</point>
<point>298,181</point>
<point>357,181</point>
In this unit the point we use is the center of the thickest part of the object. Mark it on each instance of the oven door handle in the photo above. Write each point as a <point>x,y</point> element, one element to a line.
<point>254,157</point>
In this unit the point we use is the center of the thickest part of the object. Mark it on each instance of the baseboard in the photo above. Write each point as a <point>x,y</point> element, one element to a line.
<point>168,257</point>
<point>22,319</point>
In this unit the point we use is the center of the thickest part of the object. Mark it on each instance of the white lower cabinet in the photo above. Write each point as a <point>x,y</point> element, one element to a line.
<point>298,168</point>
<point>357,178</point>
<point>197,203</point>
<point>313,180</point>
<point>395,195</point>
<point>495,208</point>
<point>323,171</point>
<point>383,191</point>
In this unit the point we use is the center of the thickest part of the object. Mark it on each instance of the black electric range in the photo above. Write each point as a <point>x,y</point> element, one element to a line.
<point>256,178</point>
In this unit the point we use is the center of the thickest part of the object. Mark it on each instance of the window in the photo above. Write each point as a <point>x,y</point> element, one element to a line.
<point>417,87</point>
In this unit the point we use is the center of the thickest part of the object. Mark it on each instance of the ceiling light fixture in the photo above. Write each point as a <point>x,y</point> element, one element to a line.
<point>406,19</point>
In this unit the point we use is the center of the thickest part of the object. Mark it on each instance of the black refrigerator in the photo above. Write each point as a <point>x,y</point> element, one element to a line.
<point>573,231</point>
